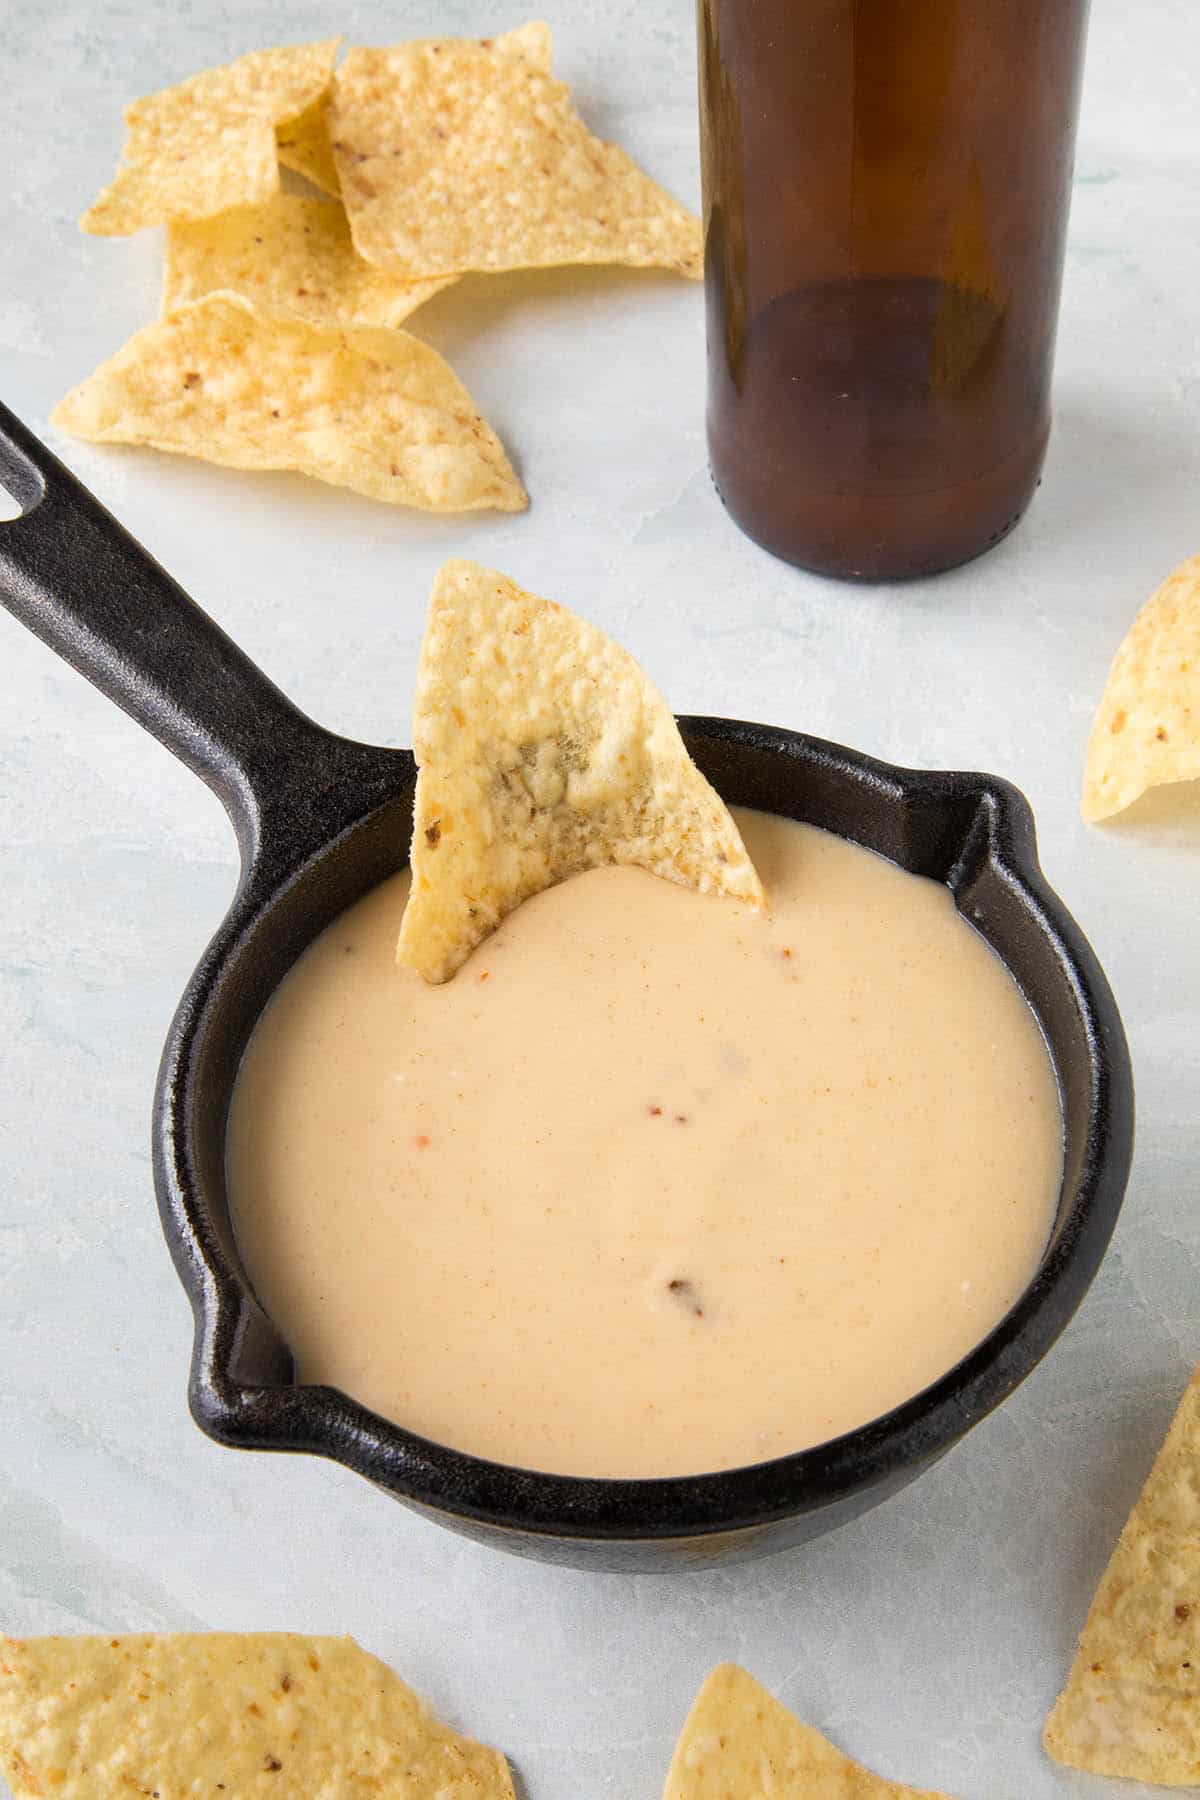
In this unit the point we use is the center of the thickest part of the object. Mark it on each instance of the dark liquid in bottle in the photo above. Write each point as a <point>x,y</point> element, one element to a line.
<point>885,194</point>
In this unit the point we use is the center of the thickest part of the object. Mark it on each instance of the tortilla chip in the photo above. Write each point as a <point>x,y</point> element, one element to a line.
<point>543,751</point>
<point>303,145</point>
<point>268,1713</point>
<point>740,1743</point>
<point>458,154</point>
<point>373,410</point>
<point>289,256</point>
<point>1147,730</point>
<point>1131,1705</point>
<point>209,143</point>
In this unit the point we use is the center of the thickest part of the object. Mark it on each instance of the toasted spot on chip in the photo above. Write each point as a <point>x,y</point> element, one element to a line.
<point>369,409</point>
<point>209,143</point>
<point>1131,1705</point>
<point>290,255</point>
<point>459,154</point>
<point>542,751</point>
<point>303,145</point>
<point>740,1743</point>
<point>184,1714</point>
<point>1147,729</point>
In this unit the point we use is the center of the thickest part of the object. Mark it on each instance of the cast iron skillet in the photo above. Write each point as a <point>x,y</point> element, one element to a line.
<point>319,820</point>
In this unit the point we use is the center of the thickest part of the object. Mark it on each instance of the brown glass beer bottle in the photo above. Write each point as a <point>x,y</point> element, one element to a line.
<point>886,185</point>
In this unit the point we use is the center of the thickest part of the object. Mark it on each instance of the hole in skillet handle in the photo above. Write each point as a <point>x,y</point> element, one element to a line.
<point>21,487</point>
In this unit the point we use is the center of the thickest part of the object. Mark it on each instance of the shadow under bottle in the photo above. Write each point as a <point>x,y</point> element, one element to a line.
<point>886,186</point>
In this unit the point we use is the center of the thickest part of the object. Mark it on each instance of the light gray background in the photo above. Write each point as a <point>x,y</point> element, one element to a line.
<point>930,1638</point>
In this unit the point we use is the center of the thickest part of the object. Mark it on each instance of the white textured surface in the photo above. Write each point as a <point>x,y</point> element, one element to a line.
<point>929,1638</point>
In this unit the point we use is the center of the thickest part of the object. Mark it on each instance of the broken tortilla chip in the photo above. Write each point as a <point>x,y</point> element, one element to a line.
<point>303,146</point>
<point>209,143</point>
<point>268,1713</point>
<point>289,255</point>
<point>542,751</point>
<point>1147,729</point>
<point>373,410</point>
<point>1131,1705</point>
<point>458,154</point>
<point>740,1743</point>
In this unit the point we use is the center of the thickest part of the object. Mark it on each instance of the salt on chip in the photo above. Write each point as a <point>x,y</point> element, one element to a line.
<point>1131,1705</point>
<point>209,143</point>
<point>459,154</point>
<point>303,145</point>
<point>542,751</point>
<point>1147,730</point>
<point>369,409</point>
<point>290,255</point>
<point>740,1743</point>
<point>272,1713</point>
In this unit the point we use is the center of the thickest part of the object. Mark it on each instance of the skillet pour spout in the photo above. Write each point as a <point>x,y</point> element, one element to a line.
<point>320,820</point>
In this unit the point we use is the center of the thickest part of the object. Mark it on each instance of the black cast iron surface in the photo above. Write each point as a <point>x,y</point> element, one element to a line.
<point>319,820</point>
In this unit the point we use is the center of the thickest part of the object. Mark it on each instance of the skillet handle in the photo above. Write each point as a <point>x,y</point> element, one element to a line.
<point>89,590</point>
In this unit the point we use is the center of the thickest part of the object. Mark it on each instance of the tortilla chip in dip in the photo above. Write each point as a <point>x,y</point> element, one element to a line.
<point>740,1743</point>
<point>373,410</point>
<point>303,146</point>
<point>543,750</point>
<point>209,142</point>
<point>1147,730</point>
<point>1131,1705</point>
<point>270,1713</point>
<point>460,154</point>
<point>289,255</point>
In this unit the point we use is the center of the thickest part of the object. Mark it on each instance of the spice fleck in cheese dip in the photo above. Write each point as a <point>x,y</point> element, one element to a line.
<point>656,1184</point>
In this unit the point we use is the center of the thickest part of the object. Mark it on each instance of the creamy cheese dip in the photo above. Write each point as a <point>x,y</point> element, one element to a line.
<point>655,1185</point>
